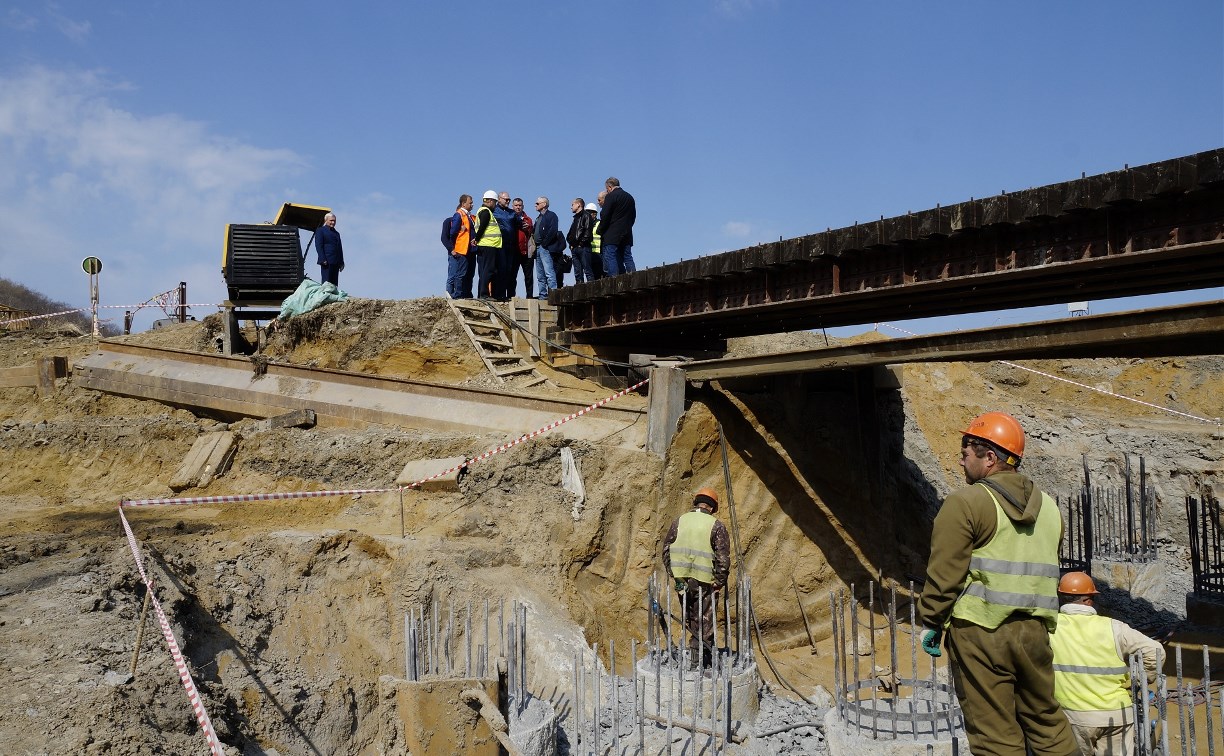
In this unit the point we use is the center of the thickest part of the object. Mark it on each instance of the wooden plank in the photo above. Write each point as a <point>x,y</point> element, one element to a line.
<point>23,376</point>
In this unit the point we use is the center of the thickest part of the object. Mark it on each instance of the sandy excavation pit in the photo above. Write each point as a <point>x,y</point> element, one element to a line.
<point>291,612</point>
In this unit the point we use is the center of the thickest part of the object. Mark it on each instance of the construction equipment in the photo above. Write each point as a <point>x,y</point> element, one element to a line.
<point>264,262</point>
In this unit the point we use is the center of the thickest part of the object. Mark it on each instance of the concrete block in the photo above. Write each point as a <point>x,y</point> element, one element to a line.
<point>437,721</point>
<point>210,456</point>
<point>423,468</point>
<point>302,418</point>
<point>664,408</point>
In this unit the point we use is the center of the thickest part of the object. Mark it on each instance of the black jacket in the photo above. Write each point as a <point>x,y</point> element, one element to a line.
<point>616,220</point>
<point>580,230</point>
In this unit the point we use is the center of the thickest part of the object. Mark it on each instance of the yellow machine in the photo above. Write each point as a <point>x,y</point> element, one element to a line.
<point>263,263</point>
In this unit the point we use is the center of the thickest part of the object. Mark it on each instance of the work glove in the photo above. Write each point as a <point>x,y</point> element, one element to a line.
<point>930,642</point>
<point>681,586</point>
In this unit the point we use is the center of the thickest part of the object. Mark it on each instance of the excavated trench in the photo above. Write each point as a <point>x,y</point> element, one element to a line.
<point>291,612</point>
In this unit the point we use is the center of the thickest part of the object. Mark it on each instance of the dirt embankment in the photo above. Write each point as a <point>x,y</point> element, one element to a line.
<point>291,611</point>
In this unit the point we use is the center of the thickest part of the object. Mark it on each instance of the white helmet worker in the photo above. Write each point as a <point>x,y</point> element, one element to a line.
<point>490,195</point>
<point>592,206</point>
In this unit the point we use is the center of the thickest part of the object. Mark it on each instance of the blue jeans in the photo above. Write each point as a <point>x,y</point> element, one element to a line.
<point>582,265</point>
<point>617,259</point>
<point>456,276</point>
<point>545,275</point>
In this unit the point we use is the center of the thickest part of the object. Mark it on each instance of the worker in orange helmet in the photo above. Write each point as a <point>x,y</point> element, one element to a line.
<point>697,555</point>
<point>1091,670</point>
<point>991,586</point>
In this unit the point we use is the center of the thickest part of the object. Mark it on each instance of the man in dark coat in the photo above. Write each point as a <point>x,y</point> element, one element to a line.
<point>331,251</point>
<point>616,229</point>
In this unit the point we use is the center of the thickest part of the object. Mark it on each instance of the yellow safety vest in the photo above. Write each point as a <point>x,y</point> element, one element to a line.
<point>1017,571</point>
<point>594,236</point>
<point>492,235</point>
<point>1088,673</point>
<point>692,556</point>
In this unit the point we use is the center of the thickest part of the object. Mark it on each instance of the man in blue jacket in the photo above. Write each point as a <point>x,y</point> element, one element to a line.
<point>331,251</point>
<point>548,238</point>
<point>507,256</point>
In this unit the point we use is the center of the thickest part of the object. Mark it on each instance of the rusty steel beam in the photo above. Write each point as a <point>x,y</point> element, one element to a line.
<point>1184,330</point>
<point>1145,230</point>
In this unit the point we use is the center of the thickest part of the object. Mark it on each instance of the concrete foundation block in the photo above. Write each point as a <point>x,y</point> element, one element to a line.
<point>303,418</point>
<point>534,730</point>
<point>662,687</point>
<point>437,721</point>
<point>424,468</point>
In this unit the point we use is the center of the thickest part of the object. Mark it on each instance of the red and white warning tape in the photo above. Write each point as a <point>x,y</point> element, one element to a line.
<point>236,498</point>
<point>180,664</point>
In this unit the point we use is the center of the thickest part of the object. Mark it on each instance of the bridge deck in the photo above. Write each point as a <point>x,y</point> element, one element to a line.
<point>1144,230</point>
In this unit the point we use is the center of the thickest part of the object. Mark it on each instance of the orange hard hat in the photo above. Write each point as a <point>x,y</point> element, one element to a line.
<point>1002,430</point>
<point>706,495</point>
<point>1077,584</point>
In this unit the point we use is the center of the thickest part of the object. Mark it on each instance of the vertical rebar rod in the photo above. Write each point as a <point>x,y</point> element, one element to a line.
<point>1143,509</point>
<point>854,637</point>
<point>467,642</point>
<point>913,618</point>
<point>436,612</point>
<point>671,703</point>
<point>727,709</point>
<point>748,620</point>
<point>1130,510</point>
<point>871,638</point>
<point>639,703</point>
<point>523,655</point>
<point>933,701</point>
<point>408,648</point>
<point>598,699</point>
<point>511,668</point>
<point>682,662</point>
<point>727,621</point>
<point>614,695</point>
<point>1162,709</point>
<point>841,611</point>
<point>576,700</point>
<point>715,684</point>
<point>837,652</point>
<point>1181,699</point>
<point>485,671</point>
<point>670,591</point>
<point>701,599</point>
<point>1207,696</point>
<point>1144,722</point>
<point>501,627</point>
<point>892,650</point>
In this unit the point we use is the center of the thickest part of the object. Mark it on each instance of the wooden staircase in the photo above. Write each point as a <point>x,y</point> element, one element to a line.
<point>493,341</point>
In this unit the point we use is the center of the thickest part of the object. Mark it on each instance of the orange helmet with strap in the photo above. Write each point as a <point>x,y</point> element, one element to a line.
<point>708,496</point>
<point>1002,430</point>
<point>1077,584</point>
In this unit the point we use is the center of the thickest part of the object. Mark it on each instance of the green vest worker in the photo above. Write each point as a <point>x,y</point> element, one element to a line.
<point>697,555</point>
<point>992,586</point>
<point>596,260</point>
<point>1091,673</point>
<point>488,241</point>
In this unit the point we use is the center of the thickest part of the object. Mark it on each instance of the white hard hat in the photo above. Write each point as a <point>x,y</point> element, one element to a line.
<point>592,206</point>
<point>490,195</point>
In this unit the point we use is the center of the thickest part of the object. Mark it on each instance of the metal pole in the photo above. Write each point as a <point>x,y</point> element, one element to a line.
<point>871,637</point>
<point>615,694</point>
<point>598,697</point>
<point>639,704</point>
<point>144,613</point>
<point>1207,696</point>
<point>182,308</point>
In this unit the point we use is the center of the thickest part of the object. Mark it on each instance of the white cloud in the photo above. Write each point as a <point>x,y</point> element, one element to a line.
<point>737,229</point>
<point>19,20</point>
<point>74,30</point>
<point>149,194</point>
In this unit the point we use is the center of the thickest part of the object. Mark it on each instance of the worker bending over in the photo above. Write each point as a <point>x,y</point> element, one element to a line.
<point>1091,674</point>
<point>992,587</point>
<point>697,555</point>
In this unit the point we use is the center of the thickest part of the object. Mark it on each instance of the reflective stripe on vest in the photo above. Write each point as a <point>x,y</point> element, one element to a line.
<point>692,556</point>
<point>1088,673</point>
<point>463,239</point>
<point>1017,571</point>
<point>492,235</point>
<point>594,236</point>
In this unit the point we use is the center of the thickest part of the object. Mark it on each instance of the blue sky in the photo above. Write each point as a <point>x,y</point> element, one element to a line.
<point>136,131</point>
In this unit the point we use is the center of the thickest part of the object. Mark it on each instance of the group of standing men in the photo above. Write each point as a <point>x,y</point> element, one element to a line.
<point>1035,668</point>
<point>491,246</point>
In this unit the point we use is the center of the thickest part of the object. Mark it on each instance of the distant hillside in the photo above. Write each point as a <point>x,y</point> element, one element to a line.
<point>18,297</point>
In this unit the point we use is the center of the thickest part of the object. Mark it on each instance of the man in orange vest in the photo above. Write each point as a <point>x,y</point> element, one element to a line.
<point>697,555</point>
